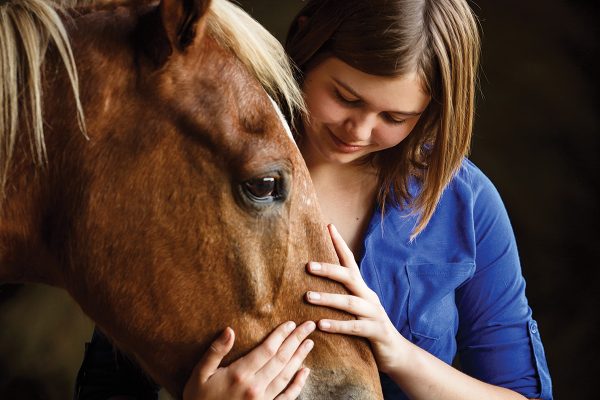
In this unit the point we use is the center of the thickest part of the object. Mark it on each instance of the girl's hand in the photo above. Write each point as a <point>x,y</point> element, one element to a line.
<point>264,373</point>
<point>371,320</point>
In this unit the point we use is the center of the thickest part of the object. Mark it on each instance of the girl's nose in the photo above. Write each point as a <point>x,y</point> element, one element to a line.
<point>360,126</point>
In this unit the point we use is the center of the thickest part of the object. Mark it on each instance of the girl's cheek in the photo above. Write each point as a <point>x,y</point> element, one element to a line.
<point>325,109</point>
<point>395,136</point>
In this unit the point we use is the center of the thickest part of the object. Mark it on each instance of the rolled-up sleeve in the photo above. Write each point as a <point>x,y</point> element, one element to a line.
<point>498,341</point>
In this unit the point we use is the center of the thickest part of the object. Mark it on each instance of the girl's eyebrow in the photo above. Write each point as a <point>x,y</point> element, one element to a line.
<point>359,97</point>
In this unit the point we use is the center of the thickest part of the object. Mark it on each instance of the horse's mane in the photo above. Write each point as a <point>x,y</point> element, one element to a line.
<point>26,28</point>
<point>37,22</point>
<point>258,50</point>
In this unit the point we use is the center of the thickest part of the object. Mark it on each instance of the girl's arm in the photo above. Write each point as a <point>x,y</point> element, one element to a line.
<point>419,374</point>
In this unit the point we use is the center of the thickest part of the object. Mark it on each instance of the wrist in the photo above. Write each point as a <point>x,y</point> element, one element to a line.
<point>398,351</point>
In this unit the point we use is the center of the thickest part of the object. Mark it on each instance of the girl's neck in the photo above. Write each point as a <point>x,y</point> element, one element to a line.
<point>343,178</point>
<point>346,194</point>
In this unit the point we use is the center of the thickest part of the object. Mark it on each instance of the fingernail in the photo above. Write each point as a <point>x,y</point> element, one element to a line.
<point>313,296</point>
<point>310,326</point>
<point>314,266</point>
<point>308,345</point>
<point>226,335</point>
<point>305,373</point>
<point>290,326</point>
<point>324,324</point>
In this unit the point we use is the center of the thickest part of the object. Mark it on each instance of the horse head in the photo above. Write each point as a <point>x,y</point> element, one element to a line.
<point>188,207</point>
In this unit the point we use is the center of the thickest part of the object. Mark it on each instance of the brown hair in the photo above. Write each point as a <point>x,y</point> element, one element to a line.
<point>439,40</point>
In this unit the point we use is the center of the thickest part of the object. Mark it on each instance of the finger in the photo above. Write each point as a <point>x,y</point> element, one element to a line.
<point>341,248</point>
<point>294,389</point>
<point>287,350</point>
<point>356,327</point>
<point>352,304</point>
<point>287,374</point>
<point>350,278</point>
<point>258,357</point>
<point>214,355</point>
<point>332,271</point>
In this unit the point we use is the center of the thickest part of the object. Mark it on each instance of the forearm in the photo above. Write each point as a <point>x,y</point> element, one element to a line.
<point>423,376</point>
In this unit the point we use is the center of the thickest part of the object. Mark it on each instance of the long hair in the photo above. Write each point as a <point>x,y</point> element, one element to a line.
<point>437,39</point>
<point>26,29</point>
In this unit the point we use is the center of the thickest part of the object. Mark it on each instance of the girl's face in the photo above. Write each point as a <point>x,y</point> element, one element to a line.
<point>353,114</point>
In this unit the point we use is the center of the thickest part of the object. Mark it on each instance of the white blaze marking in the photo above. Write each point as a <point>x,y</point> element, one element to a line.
<point>283,121</point>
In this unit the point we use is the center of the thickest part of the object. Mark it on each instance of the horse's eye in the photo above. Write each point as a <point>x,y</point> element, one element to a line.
<point>264,191</point>
<point>264,188</point>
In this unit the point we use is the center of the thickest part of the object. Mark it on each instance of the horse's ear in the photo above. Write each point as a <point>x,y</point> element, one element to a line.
<point>171,27</point>
<point>182,20</point>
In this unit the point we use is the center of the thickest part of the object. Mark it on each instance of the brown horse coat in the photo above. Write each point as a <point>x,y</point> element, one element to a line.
<point>188,209</point>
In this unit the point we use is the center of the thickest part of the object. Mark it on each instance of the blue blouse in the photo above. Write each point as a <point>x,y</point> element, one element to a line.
<point>457,289</point>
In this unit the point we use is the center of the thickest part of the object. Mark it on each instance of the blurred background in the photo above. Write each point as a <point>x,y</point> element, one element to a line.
<point>536,136</point>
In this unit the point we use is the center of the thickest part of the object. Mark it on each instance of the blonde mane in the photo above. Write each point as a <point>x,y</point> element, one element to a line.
<point>259,51</point>
<point>26,29</point>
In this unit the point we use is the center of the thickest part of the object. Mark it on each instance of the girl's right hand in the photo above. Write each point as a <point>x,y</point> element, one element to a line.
<point>264,373</point>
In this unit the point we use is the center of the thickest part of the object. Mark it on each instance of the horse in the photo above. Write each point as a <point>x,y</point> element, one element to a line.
<point>146,169</point>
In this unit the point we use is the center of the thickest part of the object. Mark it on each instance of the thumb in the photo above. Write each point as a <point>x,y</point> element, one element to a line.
<point>209,363</point>
<point>211,360</point>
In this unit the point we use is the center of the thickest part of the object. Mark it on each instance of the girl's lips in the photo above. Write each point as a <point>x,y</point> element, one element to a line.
<point>343,146</point>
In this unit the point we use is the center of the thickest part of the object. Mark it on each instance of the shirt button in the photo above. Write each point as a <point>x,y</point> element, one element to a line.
<point>533,328</point>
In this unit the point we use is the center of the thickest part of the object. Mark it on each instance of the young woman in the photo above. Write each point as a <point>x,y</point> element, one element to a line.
<point>426,247</point>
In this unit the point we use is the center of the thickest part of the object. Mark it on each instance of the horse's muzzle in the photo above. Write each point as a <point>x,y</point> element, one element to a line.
<point>339,384</point>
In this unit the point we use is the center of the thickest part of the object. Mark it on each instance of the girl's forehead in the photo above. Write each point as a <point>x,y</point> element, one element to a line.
<point>403,93</point>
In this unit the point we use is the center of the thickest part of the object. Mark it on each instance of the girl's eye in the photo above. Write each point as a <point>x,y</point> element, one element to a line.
<point>344,100</point>
<point>393,120</point>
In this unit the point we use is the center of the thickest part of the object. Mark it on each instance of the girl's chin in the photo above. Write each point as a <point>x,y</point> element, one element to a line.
<point>344,158</point>
<point>331,150</point>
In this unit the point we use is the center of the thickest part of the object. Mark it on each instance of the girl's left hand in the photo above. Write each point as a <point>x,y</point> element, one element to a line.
<point>371,320</point>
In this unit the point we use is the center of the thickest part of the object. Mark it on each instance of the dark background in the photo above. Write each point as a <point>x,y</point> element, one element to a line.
<point>536,137</point>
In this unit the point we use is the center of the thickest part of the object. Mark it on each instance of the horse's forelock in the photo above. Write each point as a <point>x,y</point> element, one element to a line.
<point>258,50</point>
<point>99,4</point>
